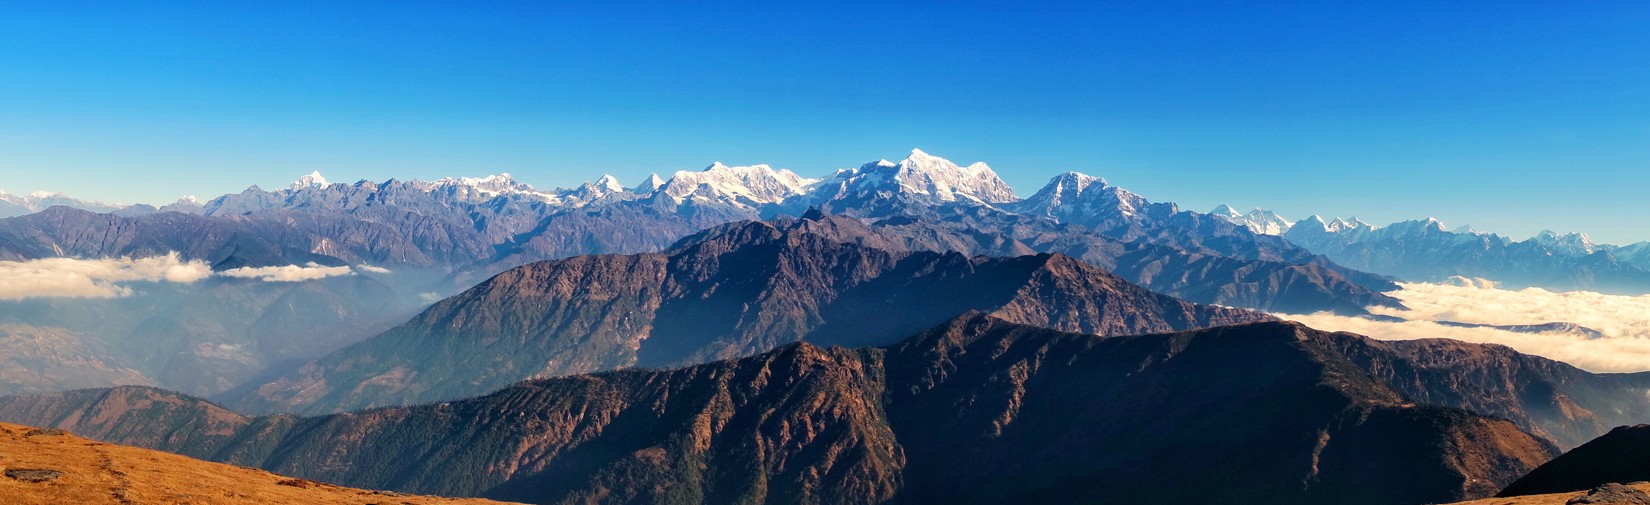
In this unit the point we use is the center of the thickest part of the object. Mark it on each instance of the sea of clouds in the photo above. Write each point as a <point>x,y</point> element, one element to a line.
<point>1624,321</point>
<point>110,277</point>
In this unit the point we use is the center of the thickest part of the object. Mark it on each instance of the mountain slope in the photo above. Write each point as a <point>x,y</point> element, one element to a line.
<point>1554,400</point>
<point>1304,286</point>
<point>735,291</point>
<point>935,418</point>
<point>37,359</point>
<point>1620,456</point>
<point>45,467</point>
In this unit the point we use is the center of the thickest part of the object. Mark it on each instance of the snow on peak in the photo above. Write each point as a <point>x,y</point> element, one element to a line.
<point>1083,199</point>
<point>487,188</point>
<point>925,174</point>
<point>496,182</point>
<point>610,184</point>
<point>1063,190</point>
<point>312,180</point>
<point>1340,226</point>
<point>653,183</point>
<point>741,185</point>
<point>1259,221</point>
<point>41,195</point>
<point>1575,244</point>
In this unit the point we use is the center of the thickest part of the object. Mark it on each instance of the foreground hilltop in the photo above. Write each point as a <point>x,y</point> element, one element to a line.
<point>1620,456</point>
<point>53,467</point>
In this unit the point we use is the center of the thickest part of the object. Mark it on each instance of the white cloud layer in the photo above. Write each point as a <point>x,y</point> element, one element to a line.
<point>1615,315</point>
<point>107,277</point>
<point>95,278</point>
<point>1624,321</point>
<point>288,273</point>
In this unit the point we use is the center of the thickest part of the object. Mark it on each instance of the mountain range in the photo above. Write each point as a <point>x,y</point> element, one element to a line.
<point>428,240</point>
<point>1426,251</point>
<point>1260,413</point>
<point>732,291</point>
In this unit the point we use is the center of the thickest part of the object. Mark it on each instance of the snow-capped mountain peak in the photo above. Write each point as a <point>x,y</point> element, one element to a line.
<point>921,176</point>
<point>742,186</point>
<point>925,174</point>
<point>497,182</point>
<point>14,205</point>
<point>1259,221</point>
<point>1317,223</point>
<point>650,185</point>
<point>1226,211</point>
<point>312,180</point>
<point>1574,244</point>
<point>610,184</point>
<point>1089,201</point>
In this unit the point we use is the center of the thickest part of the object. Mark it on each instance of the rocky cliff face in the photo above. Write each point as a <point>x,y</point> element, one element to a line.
<point>1258,413</point>
<point>737,291</point>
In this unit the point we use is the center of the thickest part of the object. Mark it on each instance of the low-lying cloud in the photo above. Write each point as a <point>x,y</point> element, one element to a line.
<point>1623,320</point>
<point>1615,315</point>
<point>288,273</point>
<point>94,278</point>
<point>108,277</point>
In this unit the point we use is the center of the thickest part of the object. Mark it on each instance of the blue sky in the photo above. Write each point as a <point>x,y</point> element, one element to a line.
<point>1509,116</point>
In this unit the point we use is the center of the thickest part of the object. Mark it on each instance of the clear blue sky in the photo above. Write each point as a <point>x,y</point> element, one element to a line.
<point>1510,116</point>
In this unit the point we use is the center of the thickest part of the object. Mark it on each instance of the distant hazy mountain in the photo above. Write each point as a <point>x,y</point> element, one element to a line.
<point>1259,221</point>
<point>18,205</point>
<point>735,291</point>
<point>202,338</point>
<point>1426,251</point>
<point>936,418</point>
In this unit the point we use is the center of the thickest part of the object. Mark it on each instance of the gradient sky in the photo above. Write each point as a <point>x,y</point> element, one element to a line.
<point>1509,116</point>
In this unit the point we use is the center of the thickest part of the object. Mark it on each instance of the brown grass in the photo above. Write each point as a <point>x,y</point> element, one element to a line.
<point>100,473</point>
<point>1539,499</point>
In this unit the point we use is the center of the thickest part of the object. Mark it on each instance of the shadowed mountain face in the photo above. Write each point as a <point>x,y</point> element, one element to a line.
<point>736,291</point>
<point>1551,399</point>
<point>1258,413</point>
<point>1620,456</point>
<point>1217,271</point>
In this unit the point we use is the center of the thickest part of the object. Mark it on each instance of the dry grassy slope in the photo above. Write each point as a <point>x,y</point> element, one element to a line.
<point>1539,499</point>
<point>98,473</point>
